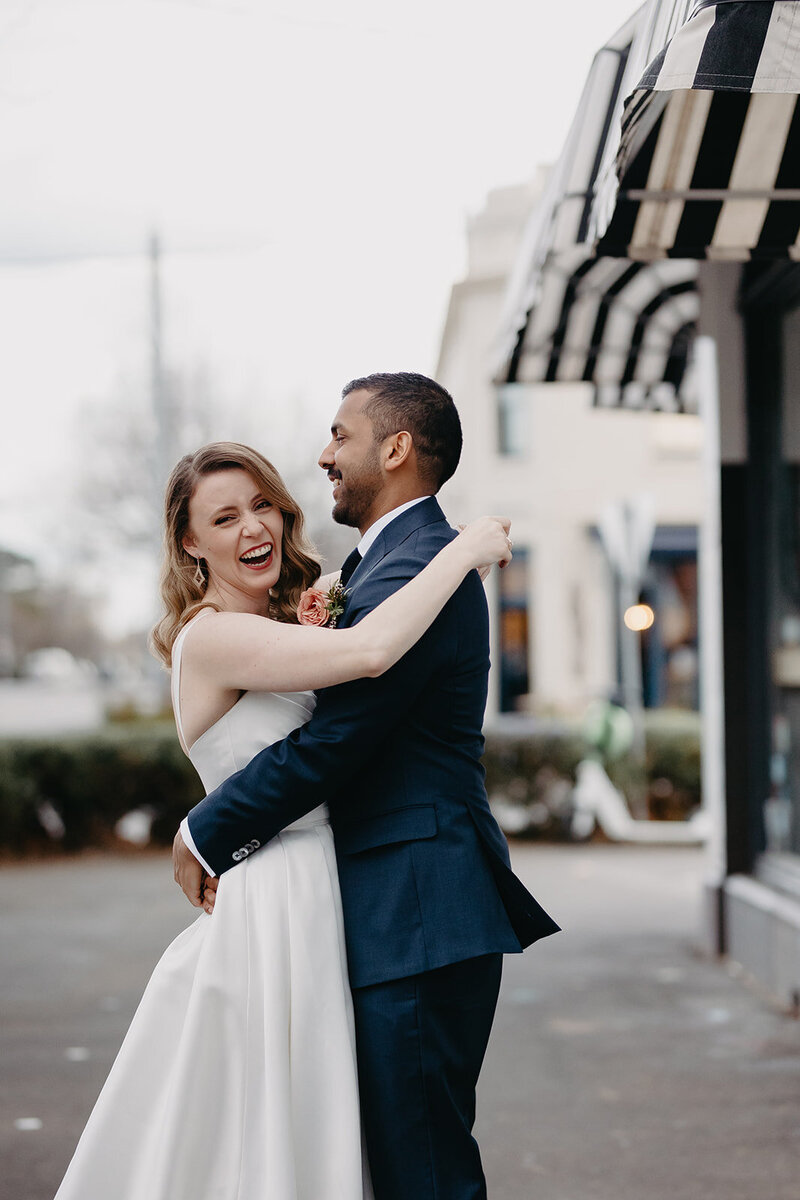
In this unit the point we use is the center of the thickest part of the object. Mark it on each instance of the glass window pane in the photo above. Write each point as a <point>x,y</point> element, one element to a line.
<point>513,590</point>
<point>513,419</point>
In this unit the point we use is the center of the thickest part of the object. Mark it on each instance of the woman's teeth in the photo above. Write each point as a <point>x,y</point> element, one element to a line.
<point>256,556</point>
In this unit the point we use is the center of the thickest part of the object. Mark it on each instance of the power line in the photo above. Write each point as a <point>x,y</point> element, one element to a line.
<point>73,256</point>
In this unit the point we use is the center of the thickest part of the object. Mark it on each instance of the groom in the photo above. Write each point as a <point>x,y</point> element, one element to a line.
<point>430,902</point>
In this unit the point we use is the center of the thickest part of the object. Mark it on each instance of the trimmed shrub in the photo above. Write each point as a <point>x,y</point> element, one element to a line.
<point>535,769</point>
<point>91,781</point>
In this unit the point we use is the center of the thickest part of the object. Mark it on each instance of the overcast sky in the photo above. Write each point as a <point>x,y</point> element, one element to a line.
<point>310,168</point>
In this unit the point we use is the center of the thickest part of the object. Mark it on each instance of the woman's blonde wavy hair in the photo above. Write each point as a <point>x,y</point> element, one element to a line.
<point>181,594</point>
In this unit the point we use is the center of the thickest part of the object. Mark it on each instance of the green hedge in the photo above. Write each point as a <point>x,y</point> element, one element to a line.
<point>536,768</point>
<point>91,781</point>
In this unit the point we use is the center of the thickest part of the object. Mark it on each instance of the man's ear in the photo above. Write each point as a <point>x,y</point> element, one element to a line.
<point>397,450</point>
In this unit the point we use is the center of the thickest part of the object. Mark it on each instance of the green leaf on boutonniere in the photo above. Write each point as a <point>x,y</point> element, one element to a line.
<point>335,603</point>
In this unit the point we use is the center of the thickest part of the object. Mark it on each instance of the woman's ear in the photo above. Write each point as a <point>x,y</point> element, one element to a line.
<point>190,545</point>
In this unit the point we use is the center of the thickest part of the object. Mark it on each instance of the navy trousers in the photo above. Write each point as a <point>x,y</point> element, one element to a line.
<point>421,1043</point>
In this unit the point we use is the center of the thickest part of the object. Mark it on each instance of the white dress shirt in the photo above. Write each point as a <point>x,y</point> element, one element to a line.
<point>378,526</point>
<point>363,546</point>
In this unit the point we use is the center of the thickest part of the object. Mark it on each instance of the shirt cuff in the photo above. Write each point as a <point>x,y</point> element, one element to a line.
<point>186,834</point>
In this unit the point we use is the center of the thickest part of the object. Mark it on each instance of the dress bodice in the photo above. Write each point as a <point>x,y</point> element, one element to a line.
<point>255,721</point>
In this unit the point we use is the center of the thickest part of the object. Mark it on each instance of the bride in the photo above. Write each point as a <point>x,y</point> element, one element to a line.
<point>237,1078</point>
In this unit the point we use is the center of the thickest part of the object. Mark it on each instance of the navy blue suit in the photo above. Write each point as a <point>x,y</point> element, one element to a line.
<point>430,901</point>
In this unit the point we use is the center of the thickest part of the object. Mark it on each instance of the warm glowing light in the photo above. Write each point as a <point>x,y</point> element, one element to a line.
<point>639,617</point>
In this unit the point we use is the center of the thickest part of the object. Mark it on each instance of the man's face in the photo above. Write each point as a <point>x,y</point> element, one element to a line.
<point>352,462</point>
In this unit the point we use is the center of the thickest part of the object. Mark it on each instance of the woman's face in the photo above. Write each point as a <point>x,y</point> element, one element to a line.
<point>235,528</point>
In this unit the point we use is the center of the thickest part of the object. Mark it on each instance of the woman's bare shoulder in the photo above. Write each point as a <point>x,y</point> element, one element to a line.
<point>218,628</point>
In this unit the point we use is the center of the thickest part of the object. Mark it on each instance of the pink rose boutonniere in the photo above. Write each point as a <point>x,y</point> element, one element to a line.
<point>321,608</point>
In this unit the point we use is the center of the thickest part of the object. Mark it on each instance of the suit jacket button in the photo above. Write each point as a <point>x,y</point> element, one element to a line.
<point>237,854</point>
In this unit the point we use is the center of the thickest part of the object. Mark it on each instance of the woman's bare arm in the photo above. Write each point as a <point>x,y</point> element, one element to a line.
<point>249,653</point>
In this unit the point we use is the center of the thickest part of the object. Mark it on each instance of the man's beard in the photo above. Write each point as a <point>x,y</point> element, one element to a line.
<point>360,493</point>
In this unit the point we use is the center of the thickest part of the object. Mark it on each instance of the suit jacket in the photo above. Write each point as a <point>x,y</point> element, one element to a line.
<point>423,867</point>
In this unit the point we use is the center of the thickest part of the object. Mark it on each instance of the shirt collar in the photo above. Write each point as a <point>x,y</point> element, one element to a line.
<point>378,526</point>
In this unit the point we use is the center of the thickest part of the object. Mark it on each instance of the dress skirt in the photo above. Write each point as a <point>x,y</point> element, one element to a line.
<point>237,1078</point>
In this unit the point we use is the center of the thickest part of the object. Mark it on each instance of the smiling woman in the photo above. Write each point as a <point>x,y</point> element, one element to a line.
<point>229,525</point>
<point>224,502</point>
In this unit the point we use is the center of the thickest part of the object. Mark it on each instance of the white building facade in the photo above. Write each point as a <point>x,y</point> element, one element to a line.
<point>544,455</point>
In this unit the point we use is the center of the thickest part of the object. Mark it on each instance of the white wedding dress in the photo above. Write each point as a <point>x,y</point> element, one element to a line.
<point>237,1077</point>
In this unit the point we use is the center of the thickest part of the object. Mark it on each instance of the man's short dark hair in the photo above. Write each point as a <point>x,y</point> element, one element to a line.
<point>403,400</point>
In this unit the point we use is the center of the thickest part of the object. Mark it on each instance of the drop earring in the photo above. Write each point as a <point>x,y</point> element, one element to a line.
<point>198,576</point>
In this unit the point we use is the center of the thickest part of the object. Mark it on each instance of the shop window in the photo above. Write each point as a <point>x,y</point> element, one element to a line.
<point>513,419</point>
<point>670,661</point>
<point>782,808</point>
<point>514,595</point>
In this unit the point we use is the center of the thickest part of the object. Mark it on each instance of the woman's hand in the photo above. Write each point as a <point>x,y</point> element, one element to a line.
<point>486,542</point>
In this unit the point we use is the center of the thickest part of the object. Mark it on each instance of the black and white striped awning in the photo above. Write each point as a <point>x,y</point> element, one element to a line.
<point>708,164</point>
<point>572,316</point>
<point>626,327</point>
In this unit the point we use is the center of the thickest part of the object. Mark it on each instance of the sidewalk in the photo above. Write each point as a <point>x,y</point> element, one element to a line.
<point>622,1066</point>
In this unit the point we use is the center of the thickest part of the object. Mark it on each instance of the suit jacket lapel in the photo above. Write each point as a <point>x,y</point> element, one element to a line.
<point>427,512</point>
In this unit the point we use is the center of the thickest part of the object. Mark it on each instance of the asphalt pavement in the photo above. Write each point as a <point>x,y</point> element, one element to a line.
<point>623,1064</point>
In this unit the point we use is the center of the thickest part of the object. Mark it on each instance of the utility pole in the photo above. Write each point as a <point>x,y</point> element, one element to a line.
<point>162,404</point>
<point>164,425</point>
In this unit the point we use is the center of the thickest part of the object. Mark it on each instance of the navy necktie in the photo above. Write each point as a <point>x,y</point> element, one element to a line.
<point>349,565</point>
